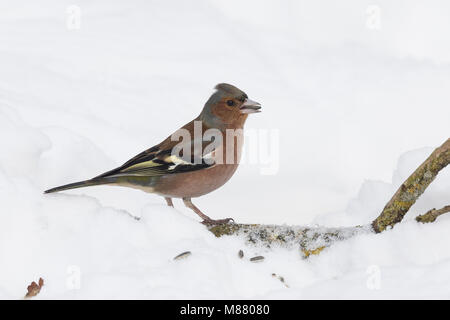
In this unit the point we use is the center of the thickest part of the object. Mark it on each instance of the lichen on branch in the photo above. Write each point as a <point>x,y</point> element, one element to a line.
<point>311,240</point>
<point>412,188</point>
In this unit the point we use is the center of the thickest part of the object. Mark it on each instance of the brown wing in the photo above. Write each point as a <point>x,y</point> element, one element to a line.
<point>162,159</point>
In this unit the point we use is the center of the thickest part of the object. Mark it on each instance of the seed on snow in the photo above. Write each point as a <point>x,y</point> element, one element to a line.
<point>257,259</point>
<point>182,255</point>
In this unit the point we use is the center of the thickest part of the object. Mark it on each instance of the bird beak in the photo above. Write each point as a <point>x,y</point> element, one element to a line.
<point>250,106</point>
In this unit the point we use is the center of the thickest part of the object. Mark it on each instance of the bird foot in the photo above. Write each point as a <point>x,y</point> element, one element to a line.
<point>212,222</point>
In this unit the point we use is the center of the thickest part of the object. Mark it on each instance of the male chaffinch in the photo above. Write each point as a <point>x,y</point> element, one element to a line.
<point>197,165</point>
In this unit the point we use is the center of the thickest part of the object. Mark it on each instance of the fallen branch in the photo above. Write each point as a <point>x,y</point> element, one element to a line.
<point>313,240</point>
<point>412,188</point>
<point>309,239</point>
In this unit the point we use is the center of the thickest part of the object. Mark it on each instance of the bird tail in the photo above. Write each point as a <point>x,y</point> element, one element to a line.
<point>80,184</point>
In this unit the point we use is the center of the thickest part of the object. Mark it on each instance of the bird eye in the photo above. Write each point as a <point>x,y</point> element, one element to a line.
<point>230,103</point>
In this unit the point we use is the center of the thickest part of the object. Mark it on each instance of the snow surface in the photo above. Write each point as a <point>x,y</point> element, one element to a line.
<point>346,99</point>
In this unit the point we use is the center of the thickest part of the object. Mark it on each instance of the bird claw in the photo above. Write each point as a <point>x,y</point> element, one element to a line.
<point>212,222</point>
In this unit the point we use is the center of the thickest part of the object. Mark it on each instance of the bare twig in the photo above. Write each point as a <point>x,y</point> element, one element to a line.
<point>431,215</point>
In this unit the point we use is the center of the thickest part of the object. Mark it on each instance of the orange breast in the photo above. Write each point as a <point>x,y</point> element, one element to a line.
<point>200,182</point>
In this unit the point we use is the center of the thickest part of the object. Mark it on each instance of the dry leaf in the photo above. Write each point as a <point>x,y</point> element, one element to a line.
<point>34,288</point>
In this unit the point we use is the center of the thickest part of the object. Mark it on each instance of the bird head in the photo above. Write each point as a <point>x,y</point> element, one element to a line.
<point>228,105</point>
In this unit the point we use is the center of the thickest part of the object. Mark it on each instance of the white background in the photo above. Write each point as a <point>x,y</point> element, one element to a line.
<point>359,92</point>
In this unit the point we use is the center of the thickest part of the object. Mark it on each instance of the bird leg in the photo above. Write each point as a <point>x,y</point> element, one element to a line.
<point>206,220</point>
<point>169,201</point>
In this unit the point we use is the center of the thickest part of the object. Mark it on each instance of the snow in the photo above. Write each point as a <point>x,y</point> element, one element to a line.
<point>356,109</point>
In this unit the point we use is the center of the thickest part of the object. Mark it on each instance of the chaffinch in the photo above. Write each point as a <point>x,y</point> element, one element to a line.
<point>203,161</point>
